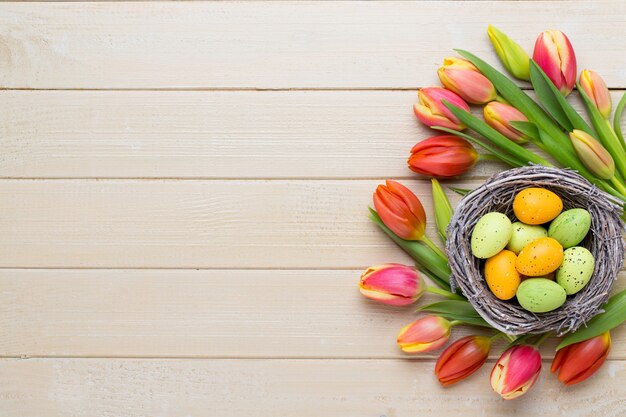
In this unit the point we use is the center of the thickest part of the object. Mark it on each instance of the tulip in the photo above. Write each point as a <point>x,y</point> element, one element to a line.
<point>594,86</point>
<point>442,156</point>
<point>512,56</point>
<point>555,56</point>
<point>462,358</point>
<point>499,116</point>
<point>579,361</point>
<point>425,334</point>
<point>591,153</point>
<point>462,77</point>
<point>400,210</point>
<point>516,371</point>
<point>432,112</point>
<point>393,284</point>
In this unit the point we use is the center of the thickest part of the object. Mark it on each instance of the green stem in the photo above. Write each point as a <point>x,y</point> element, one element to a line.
<point>498,336</point>
<point>617,127</point>
<point>542,339</point>
<point>455,322</point>
<point>489,157</point>
<point>434,247</point>
<point>618,185</point>
<point>447,294</point>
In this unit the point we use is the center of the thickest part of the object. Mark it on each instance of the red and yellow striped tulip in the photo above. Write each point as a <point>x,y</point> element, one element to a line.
<point>425,334</point>
<point>462,77</point>
<point>499,116</point>
<point>393,284</point>
<point>400,210</point>
<point>442,156</point>
<point>592,154</point>
<point>432,112</point>
<point>462,358</point>
<point>579,361</point>
<point>594,86</point>
<point>516,371</point>
<point>555,56</point>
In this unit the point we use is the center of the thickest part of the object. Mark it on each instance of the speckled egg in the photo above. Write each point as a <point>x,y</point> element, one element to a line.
<point>522,234</point>
<point>490,235</point>
<point>537,205</point>
<point>540,257</point>
<point>576,269</point>
<point>539,295</point>
<point>570,227</point>
<point>501,275</point>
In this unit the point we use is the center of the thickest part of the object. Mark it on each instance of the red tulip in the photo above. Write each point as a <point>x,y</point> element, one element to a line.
<point>555,56</point>
<point>462,77</point>
<point>425,334</point>
<point>400,210</point>
<point>462,358</point>
<point>392,284</point>
<point>442,156</point>
<point>516,371</point>
<point>432,112</point>
<point>579,361</point>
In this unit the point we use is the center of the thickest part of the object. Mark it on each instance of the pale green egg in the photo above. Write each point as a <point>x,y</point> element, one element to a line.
<point>540,295</point>
<point>570,227</point>
<point>490,235</point>
<point>522,234</point>
<point>576,270</point>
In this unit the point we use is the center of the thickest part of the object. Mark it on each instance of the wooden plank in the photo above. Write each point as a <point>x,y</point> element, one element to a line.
<point>276,388</point>
<point>280,45</point>
<point>194,224</point>
<point>209,314</point>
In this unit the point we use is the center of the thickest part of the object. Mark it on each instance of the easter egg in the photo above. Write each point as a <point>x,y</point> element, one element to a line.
<point>540,257</point>
<point>576,269</point>
<point>501,275</point>
<point>570,227</point>
<point>536,205</point>
<point>522,234</point>
<point>490,235</point>
<point>539,295</point>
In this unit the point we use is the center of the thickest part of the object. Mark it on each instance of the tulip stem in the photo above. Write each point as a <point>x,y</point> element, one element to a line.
<point>502,334</point>
<point>455,322</point>
<point>447,294</point>
<point>434,247</point>
<point>618,185</point>
<point>542,338</point>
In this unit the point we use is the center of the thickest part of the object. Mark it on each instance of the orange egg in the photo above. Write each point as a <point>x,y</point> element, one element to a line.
<point>540,257</point>
<point>537,206</point>
<point>501,275</point>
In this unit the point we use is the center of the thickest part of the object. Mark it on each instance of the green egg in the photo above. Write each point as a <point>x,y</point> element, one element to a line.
<point>540,295</point>
<point>576,269</point>
<point>522,234</point>
<point>490,235</point>
<point>570,227</point>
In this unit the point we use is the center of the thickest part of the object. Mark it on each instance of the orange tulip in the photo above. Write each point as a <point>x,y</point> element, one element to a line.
<point>400,210</point>
<point>462,77</point>
<point>555,56</point>
<point>392,284</point>
<point>593,85</point>
<point>462,358</point>
<point>425,334</point>
<point>432,112</point>
<point>516,371</point>
<point>579,361</point>
<point>442,156</point>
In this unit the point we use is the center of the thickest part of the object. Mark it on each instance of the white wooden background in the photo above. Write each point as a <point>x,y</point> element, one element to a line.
<point>183,200</point>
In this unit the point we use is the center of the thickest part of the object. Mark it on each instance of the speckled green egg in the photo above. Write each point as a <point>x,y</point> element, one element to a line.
<point>570,227</point>
<point>490,235</point>
<point>540,295</point>
<point>576,269</point>
<point>522,234</point>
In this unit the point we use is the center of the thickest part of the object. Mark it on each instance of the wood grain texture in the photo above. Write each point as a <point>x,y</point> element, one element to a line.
<point>213,134</point>
<point>195,224</point>
<point>277,388</point>
<point>208,314</point>
<point>279,45</point>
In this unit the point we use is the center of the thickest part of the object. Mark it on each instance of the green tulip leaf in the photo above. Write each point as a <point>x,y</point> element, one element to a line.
<point>617,126</point>
<point>443,208</point>
<point>614,314</point>
<point>456,310</point>
<point>460,191</point>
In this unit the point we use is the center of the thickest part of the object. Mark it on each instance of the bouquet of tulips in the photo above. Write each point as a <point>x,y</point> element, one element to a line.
<point>516,130</point>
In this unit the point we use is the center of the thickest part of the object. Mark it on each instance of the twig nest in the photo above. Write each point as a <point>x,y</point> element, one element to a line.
<point>604,241</point>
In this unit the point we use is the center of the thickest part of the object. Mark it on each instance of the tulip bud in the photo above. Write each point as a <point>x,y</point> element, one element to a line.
<point>432,112</point>
<point>462,358</point>
<point>462,77</point>
<point>555,56</point>
<point>579,361</point>
<point>516,371</point>
<point>442,156</point>
<point>512,56</point>
<point>400,210</point>
<point>393,284</point>
<point>593,85</point>
<point>591,153</point>
<point>499,116</point>
<point>425,334</point>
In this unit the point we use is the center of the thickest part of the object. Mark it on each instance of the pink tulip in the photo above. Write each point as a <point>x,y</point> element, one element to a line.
<point>462,77</point>
<point>555,56</point>
<point>425,334</point>
<point>500,115</point>
<point>393,284</point>
<point>516,371</point>
<point>432,112</point>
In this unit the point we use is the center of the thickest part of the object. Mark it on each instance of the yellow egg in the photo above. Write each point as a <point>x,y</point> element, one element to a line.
<point>501,275</point>
<point>540,257</point>
<point>537,205</point>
